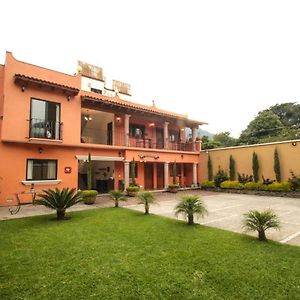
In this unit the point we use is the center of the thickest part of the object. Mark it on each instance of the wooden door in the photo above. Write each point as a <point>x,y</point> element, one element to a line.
<point>160,176</point>
<point>148,175</point>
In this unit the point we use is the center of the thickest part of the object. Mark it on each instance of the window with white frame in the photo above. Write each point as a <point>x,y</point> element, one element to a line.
<point>41,169</point>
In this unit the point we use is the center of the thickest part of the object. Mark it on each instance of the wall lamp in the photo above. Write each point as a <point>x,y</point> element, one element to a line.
<point>294,144</point>
<point>41,150</point>
<point>151,124</point>
<point>118,119</point>
<point>69,98</point>
<point>23,88</point>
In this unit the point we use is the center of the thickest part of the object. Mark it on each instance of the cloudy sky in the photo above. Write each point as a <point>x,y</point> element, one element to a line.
<point>218,61</point>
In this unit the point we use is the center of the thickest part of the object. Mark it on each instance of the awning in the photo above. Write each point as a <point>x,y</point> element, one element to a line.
<point>100,158</point>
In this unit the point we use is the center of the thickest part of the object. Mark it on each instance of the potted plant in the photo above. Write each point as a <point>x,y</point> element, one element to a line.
<point>132,190</point>
<point>173,188</point>
<point>89,195</point>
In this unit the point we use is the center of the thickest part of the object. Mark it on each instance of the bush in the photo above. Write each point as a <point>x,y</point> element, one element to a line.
<point>254,186</point>
<point>220,177</point>
<point>88,193</point>
<point>208,184</point>
<point>294,181</point>
<point>243,178</point>
<point>267,181</point>
<point>133,188</point>
<point>232,185</point>
<point>173,186</point>
<point>279,187</point>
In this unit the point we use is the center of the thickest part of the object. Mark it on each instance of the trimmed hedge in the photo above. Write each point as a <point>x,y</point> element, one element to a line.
<point>279,187</point>
<point>208,184</point>
<point>232,185</point>
<point>89,193</point>
<point>133,188</point>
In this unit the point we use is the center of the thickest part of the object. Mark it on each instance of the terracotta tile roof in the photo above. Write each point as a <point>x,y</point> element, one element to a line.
<point>24,78</point>
<point>128,104</point>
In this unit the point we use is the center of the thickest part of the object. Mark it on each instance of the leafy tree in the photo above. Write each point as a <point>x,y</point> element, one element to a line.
<point>209,169</point>
<point>146,198</point>
<point>260,222</point>
<point>264,126</point>
<point>255,167</point>
<point>225,139</point>
<point>277,166</point>
<point>59,200</point>
<point>190,206</point>
<point>210,145</point>
<point>288,113</point>
<point>117,196</point>
<point>231,168</point>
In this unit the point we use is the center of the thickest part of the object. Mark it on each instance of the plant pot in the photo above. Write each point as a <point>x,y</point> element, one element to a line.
<point>89,200</point>
<point>131,193</point>
<point>173,190</point>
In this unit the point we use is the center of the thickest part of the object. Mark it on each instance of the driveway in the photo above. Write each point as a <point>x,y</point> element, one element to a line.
<point>226,212</point>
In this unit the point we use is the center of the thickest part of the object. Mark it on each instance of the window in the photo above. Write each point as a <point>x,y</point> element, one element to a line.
<point>174,136</point>
<point>96,91</point>
<point>41,169</point>
<point>136,131</point>
<point>44,119</point>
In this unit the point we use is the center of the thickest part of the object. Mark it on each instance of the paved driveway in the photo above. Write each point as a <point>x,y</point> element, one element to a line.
<point>226,212</point>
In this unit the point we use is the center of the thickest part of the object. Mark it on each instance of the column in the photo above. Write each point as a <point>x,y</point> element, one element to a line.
<point>166,175</point>
<point>126,129</point>
<point>126,174</point>
<point>155,175</point>
<point>194,134</point>
<point>195,173</point>
<point>182,175</point>
<point>166,135</point>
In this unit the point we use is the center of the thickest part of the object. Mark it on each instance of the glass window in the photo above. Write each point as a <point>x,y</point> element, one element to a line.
<point>41,169</point>
<point>136,131</point>
<point>44,119</point>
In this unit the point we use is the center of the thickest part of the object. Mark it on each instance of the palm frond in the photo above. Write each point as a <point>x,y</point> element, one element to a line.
<point>191,205</point>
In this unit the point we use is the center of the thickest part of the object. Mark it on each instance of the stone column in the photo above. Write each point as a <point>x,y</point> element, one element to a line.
<point>194,134</point>
<point>126,174</point>
<point>195,173</point>
<point>126,129</point>
<point>155,175</point>
<point>166,175</point>
<point>166,135</point>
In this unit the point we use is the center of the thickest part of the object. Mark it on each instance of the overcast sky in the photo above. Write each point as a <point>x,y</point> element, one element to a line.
<point>219,61</point>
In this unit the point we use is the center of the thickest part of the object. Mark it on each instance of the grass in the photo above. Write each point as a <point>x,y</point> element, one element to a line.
<point>122,254</point>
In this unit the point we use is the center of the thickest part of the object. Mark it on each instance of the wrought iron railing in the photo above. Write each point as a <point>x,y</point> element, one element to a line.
<point>45,129</point>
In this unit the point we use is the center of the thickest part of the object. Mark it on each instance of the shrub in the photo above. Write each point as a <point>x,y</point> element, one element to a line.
<point>277,166</point>
<point>190,206</point>
<point>117,196</point>
<point>256,186</point>
<point>231,168</point>
<point>232,185</point>
<point>267,181</point>
<point>208,184</point>
<point>255,166</point>
<point>279,187</point>
<point>209,169</point>
<point>146,198</point>
<point>260,222</point>
<point>243,178</point>
<point>133,188</point>
<point>220,177</point>
<point>88,193</point>
<point>294,181</point>
<point>59,200</point>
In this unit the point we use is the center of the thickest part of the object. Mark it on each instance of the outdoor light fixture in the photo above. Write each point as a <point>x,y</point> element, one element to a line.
<point>294,144</point>
<point>23,88</point>
<point>69,98</point>
<point>118,119</point>
<point>88,118</point>
<point>41,150</point>
<point>151,124</point>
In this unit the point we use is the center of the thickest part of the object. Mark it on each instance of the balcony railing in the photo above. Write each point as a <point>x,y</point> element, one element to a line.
<point>45,129</point>
<point>92,136</point>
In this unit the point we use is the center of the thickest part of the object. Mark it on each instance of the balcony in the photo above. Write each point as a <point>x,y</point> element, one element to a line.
<point>45,129</point>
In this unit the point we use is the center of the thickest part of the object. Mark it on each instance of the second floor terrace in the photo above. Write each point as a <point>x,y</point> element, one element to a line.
<point>111,121</point>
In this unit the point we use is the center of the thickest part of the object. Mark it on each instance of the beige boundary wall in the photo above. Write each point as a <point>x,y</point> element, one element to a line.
<point>289,156</point>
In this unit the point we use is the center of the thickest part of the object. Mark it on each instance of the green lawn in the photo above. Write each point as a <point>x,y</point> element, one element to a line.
<point>122,254</point>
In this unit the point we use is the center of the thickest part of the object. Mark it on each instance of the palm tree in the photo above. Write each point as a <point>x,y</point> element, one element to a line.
<point>260,222</point>
<point>146,198</point>
<point>59,200</point>
<point>117,196</point>
<point>190,206</point>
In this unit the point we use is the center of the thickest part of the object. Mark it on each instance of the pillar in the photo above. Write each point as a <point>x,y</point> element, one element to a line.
<point>166,175</point>
<point>126,129</point>
<point>194,134</point>
<point>195,172</point>
<point>182,175</point>
<point>166,135</point>
<point>155,175</point>
<point>126,174</point>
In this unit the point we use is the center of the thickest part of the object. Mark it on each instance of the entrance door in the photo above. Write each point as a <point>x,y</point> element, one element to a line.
<point>109,133</point>
<point>148,174</point>
<point>160,176</point>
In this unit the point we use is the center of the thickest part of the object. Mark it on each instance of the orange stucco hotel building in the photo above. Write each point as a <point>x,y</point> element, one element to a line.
<point>50,121</point>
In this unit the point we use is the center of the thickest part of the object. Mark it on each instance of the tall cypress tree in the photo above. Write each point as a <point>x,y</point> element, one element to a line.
<point>89,172</point>
<point>132,172</point>
<point>255,166</point>
<point>209,169</point>
<point>277,169</point>
<point>231,168</point>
